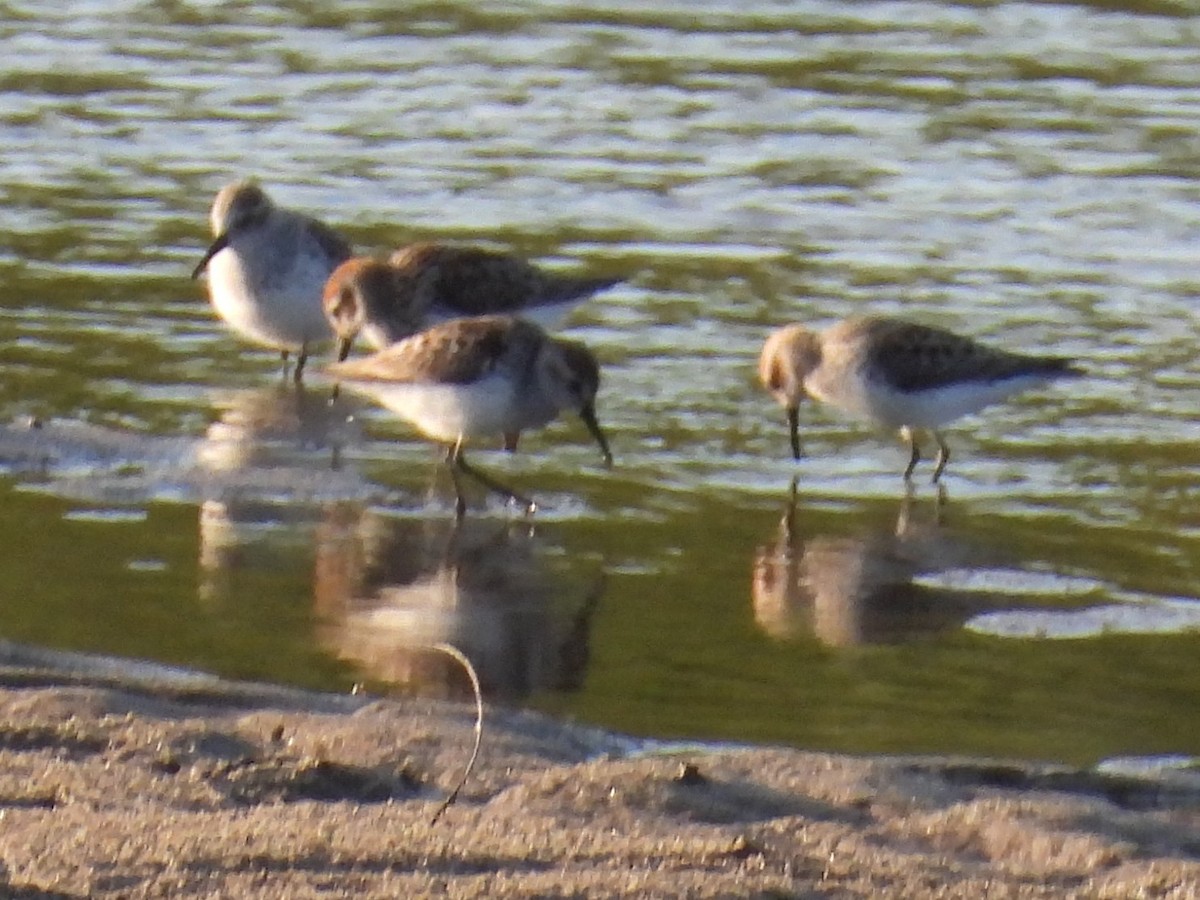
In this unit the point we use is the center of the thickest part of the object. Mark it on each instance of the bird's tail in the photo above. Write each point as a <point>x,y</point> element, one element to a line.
<point>562,290</point>
<point>1061,367</point>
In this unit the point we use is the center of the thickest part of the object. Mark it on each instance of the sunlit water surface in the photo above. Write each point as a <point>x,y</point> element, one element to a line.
<point>1028,173</point>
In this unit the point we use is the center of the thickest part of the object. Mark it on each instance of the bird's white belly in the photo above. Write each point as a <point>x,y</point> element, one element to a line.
<point>935,407</point>
<point>281,310</point>
<point>448,412</point>
<point>852,391</point>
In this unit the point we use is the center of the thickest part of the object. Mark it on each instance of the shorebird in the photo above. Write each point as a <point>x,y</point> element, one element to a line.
<point>267,267</point>
<point>423,284</point>
<point>897,374</point>
<point>476,376</point>
<point>426,283</point>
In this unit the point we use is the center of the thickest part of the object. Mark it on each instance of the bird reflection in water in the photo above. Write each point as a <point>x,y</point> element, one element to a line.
<point>269,460</point>
<point>275,427</point>
<point>858,589</point>
<point>388,588</point>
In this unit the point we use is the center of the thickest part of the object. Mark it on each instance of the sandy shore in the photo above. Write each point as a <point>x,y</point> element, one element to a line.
<point>114,790</point>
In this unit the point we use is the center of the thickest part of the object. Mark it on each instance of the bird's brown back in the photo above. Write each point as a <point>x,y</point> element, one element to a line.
<point>470,281</point>
<point>911,356</point>
<point>460,351</point>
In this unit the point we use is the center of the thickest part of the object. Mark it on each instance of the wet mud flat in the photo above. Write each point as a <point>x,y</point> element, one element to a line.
<point>152,783</point>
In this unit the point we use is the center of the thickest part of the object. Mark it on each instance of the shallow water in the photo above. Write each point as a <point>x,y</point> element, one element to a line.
<point>1024,172</point>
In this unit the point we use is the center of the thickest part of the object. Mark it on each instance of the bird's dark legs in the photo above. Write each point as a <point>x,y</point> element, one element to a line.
<point>458,463</point>
<point>491,484</point>
<point>939,506</point>
<point>915,455</point>
<point>300,361</point>
<point>789,517</point>
<point>460,501</point>
<point>793,417</point>
<point>908,504</point>
<point>939,465</point>
<point>943,457</point>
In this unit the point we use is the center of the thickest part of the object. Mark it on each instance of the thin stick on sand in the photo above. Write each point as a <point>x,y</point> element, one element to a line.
<point>461,658</point>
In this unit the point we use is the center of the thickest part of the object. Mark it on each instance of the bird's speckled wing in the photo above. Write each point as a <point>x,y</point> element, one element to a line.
<point>468,281</point>
<point>457,352</point>
<point>910,356</point>
<point>473,281</point>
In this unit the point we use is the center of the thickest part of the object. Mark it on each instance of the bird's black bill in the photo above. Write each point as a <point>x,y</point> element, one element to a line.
<point>793,415</point>
<point>588,414</point>
<point>344,348</point>
<point>216,247</point>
